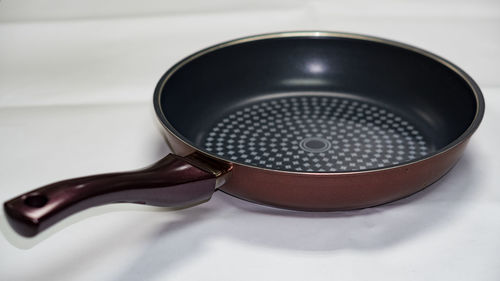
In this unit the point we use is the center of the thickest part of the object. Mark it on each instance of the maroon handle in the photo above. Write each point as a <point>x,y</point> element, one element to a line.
<point>173,181</point>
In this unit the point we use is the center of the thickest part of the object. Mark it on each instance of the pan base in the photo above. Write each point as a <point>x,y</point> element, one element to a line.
<point>316,133</point>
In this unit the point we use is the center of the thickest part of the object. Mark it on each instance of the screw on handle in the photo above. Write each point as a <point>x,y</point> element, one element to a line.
<point>171,182</point>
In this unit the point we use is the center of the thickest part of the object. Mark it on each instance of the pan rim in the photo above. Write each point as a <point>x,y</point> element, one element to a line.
<point>480,105</point>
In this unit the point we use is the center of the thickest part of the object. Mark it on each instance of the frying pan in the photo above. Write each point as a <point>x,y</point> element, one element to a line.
<point>313,121</point>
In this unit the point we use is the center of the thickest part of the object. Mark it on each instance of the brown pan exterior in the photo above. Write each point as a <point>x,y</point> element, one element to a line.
<point>331,191</point>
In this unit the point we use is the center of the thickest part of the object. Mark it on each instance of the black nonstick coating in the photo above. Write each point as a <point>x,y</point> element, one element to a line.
<point>317,104</point>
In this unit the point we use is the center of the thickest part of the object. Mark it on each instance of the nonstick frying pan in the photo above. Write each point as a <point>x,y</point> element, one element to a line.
<point>313,121</point>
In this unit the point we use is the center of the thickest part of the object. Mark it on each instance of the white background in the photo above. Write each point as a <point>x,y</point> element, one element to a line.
<point>76,83</point>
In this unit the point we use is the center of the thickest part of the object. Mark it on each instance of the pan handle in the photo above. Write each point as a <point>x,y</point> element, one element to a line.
<point>174,181</point>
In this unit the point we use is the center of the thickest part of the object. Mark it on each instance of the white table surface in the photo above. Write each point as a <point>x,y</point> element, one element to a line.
<point>76,81</point>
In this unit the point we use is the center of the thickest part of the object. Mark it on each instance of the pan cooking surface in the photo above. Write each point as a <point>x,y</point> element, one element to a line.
<point>316,134</point>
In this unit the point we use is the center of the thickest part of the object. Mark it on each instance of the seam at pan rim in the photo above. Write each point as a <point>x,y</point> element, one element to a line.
<point>470,82</point>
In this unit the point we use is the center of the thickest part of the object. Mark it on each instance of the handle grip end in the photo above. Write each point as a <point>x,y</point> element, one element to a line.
<point>22,224</point>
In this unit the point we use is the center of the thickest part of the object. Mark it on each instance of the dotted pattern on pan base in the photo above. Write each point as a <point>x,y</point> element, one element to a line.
<point>315,134</point>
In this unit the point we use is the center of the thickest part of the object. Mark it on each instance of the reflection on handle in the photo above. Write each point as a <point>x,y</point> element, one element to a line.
<point>173,181</point>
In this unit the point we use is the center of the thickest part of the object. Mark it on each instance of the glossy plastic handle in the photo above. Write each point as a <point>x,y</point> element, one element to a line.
<point>173,181</point>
